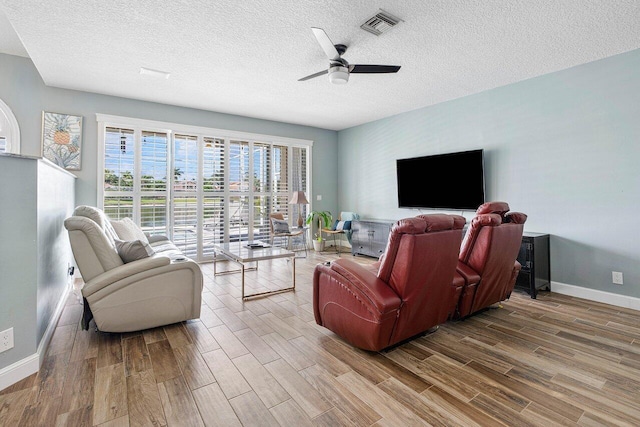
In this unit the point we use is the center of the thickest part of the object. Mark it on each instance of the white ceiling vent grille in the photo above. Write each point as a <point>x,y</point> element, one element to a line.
<point>380,23</point>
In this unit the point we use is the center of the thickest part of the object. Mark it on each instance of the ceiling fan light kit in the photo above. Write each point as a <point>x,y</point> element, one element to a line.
<point>338,75</point>
<point>339,69</point>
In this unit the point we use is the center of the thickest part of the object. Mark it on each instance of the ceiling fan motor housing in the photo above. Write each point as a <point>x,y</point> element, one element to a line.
<point>338,75</point>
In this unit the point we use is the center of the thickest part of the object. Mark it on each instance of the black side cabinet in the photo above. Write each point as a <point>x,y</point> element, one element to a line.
<point>534,258</point>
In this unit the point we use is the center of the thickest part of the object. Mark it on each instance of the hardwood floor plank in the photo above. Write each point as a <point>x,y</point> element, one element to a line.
<point>280,326</point>
<point>62,339</point>
<point>257,346</point>
<point>256,324</point>
<point>77,417</point>
<point>154,335</point>
<point>78,390</point>
<point>228,341</point>
<point>70,315</point>
<point>320,356</point>
<point>383,403</point>
<point>268,389</point>
<point>163,360</point>
<point>350,357</point>
<point>118,422</point>
<point>110,399</point>
<point>136,355</point>
<point>85,345</point>
<point>252,411</point>
<point>420,405</point>
<point>145,408</point>
<point>312,402</point>
<point>548,401</point>
<point>233,322</point>
<point>226,374</point>
<point>178,404</point>
<point>214,407</point>
<point>501,412</point>
<point>194,369</point>
<point>201,336</point>
<point>539,412</point>
<point>354,410</point>
<point>287,351</point>
<point>459,408</point>
<point>177,335</point>
<point>109,349</point>
<point>12,405</point>
<point>289,413</point>
<point>209,318</point>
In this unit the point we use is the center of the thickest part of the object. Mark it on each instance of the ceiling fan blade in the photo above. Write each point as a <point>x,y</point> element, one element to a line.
<point>319,73</point>
<point>325,43</point>
<point>370,69</point>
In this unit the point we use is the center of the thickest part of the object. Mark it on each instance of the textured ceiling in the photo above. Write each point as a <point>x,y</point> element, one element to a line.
<point>245,57</point>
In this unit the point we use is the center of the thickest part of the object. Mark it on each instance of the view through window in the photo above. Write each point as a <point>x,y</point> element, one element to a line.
<point>197,188</point>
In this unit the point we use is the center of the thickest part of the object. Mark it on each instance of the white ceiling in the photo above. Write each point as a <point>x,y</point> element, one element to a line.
<point>245,57</point>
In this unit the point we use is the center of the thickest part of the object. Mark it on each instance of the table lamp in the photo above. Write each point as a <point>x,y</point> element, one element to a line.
<point>298,198</point>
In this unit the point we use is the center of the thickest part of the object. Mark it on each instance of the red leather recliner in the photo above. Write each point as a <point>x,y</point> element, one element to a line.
<point>487,266</point>
<point>409,293</point>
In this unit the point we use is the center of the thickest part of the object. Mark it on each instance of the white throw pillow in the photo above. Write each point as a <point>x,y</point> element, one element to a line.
<point>128,230</point>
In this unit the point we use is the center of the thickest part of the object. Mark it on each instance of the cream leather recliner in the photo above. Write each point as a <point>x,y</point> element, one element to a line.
<point>158,290</point>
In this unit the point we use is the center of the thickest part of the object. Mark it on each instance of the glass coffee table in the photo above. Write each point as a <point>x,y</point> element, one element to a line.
<point>243,253</point>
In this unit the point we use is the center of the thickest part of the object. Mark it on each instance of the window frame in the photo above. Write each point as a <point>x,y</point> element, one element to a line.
<point>12,135</point>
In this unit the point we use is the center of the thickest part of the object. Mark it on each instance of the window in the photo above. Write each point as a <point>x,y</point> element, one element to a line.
<point>196,185</point>
<point>9,130</point>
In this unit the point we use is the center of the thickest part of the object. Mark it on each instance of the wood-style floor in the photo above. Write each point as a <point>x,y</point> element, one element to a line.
<point>556,360</point>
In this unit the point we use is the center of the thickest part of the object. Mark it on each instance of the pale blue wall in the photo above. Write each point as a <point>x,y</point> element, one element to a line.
<point>564,148</point>
<point>22,89</point>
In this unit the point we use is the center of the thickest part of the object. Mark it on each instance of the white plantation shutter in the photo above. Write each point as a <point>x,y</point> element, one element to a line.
<point>119,170</point>
<point>213,198</point>
<point>185,194</point>
<point>197,188</point>
<point>3,144</point>
<point>262,167</point>
<point>299,180</point>
<point>153,182</point>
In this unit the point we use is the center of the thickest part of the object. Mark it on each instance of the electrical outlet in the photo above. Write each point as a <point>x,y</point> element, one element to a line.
<point>616,277</point>
<point>6,340</point>
<point>319,197</point>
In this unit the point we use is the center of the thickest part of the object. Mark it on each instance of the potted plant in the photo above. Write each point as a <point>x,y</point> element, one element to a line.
<point>323,217</point>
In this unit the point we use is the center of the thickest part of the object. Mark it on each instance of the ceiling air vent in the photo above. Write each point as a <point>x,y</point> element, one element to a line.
<point>380,23</point>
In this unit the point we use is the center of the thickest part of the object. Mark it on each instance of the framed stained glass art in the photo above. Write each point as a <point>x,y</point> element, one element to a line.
<point>62,139</point>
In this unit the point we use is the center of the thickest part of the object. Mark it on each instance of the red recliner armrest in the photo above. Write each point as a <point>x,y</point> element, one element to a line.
<point>352,301</point>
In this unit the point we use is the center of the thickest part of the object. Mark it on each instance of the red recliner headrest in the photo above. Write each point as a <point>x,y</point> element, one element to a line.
<point>484,220</point>
<point>439,222</point>
<point>499,208</point>
<point>515,218</point>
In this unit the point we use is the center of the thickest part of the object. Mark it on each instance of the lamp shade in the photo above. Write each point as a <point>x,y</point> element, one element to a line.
<point>298,198</point>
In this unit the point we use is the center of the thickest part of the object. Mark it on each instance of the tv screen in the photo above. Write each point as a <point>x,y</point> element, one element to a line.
<point>443,181</point>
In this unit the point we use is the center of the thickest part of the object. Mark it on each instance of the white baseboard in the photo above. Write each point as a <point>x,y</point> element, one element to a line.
<point>19,370</point>
<point>31,364</point>
<point>596,295</point>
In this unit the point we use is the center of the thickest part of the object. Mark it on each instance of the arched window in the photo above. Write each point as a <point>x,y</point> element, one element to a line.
<point>9,130</point>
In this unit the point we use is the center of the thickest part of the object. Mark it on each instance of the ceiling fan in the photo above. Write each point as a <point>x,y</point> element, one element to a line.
<point>339,69</point>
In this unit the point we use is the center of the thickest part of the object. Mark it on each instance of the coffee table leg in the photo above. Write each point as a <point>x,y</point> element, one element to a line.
<point>243,280</point>
<point>293,270</point>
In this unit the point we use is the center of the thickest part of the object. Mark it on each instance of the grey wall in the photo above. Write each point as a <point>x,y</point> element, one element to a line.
<point>563,148</point>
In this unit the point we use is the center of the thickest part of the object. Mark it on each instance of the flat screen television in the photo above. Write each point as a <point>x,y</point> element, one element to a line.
<point>442,181</point>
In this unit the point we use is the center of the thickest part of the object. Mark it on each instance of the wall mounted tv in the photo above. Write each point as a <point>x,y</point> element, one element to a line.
<point>443,181</point>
